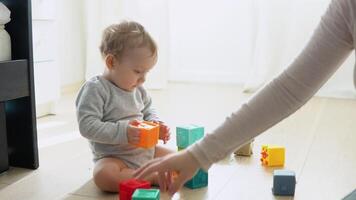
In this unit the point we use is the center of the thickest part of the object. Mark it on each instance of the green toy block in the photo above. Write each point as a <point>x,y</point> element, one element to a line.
<point>187,135</point>
<point>198,181</point>
<point>180,149</point>
<point>146,194</point>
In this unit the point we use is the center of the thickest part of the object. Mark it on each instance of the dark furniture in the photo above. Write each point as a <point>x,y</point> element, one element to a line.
<point>18,133</point>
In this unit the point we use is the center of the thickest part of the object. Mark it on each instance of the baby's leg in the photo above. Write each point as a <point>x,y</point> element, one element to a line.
<point>109,172</point>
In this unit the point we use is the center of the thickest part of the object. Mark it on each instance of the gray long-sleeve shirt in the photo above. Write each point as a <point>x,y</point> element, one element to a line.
<point>331,44</point>
<point>104,111</point>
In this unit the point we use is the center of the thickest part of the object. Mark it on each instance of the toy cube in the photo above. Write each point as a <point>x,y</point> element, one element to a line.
<point>127,188</point>
<point>351,196</point>
<point>245,150</point>
<point>149,134</point>
<point>187,135</point>
<point>145,194</point>
<point>272,155</point>
<point>283,182</point>
<point>198,181</point>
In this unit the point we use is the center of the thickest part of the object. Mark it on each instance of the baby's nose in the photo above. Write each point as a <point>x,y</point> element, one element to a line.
<point>142,79</point>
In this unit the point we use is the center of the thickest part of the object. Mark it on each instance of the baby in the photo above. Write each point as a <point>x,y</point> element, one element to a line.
<point>107,104</point>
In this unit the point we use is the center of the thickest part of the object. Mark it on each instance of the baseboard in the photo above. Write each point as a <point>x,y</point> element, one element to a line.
<point>45,109</point>
<point>71,88</point>
<point>49,108</point>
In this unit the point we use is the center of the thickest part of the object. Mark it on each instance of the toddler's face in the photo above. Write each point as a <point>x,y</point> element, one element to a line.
<point>131,70</point>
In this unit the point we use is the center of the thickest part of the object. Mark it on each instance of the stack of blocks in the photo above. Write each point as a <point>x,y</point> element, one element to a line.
<point>128,187</point>
<point>149,133</point>
<point>187,135</point>
<point>146,194</point>
<point>283,182</point>
<point>272,155</point>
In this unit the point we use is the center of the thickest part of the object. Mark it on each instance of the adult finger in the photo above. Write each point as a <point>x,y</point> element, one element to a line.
<point>169,179</point>
<point>162,181</point>
<point>177,184</point>
<point>154,167</point>
<point>148,164</point>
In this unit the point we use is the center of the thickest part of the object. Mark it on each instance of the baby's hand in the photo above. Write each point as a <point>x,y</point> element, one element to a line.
<point>133,133</point>
<point>164,132</point>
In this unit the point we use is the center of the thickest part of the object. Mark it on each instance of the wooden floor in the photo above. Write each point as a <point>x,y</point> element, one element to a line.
<point>320,141</point>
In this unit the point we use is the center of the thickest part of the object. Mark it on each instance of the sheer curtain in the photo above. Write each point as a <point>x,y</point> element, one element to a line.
<point>246,42</point>
<point>283,29</point>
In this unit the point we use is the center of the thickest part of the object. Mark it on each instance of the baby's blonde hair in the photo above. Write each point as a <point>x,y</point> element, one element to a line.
<point>118,38</point>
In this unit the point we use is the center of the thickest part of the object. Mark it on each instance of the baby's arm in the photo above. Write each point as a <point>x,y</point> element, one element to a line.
<point>150,114</point>
<point>89,106</point>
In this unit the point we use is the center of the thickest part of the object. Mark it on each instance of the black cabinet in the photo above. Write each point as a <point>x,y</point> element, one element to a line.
<point>18,133</point>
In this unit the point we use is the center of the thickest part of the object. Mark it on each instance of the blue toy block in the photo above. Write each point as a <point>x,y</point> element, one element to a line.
<point>187,135</point>
<point>283,182</point>
<point>351,196</point>
<point>146,194</point>
<point>198,181</point>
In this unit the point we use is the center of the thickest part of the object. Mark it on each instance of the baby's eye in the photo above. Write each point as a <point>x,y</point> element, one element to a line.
<point>137,72</point>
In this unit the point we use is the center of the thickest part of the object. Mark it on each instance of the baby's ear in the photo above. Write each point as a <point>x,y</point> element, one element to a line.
<point>109,61</point>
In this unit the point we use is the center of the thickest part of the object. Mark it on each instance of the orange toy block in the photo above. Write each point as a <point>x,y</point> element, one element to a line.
<point>272,155</point>
<point>149,134</point>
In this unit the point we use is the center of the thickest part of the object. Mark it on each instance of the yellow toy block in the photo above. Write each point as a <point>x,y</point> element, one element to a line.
<point>149,134</point>
<point>272,155</point>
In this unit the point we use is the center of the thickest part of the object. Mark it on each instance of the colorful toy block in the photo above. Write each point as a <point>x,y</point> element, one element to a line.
<point>127,188</point>
<point>272,155</point>
<point>146,194</point>
<point>149,134</point>
<point>179,149</point>
<point>245,150</point>
<point>351,196</point>
<point>187,135</point>
<point>198,181</point>
<point>283,182</point>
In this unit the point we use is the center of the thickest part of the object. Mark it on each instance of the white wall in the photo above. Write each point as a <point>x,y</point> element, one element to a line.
<point>154,16</point>
<point>71,41</point>
<point>246,41</point>
<point>200,40</point>
<point>210,40</point>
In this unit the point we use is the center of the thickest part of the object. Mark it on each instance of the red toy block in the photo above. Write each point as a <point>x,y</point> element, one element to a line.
<point>127,188</point>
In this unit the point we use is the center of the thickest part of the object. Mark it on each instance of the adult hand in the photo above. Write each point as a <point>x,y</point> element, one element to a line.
<point>182,163</point>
